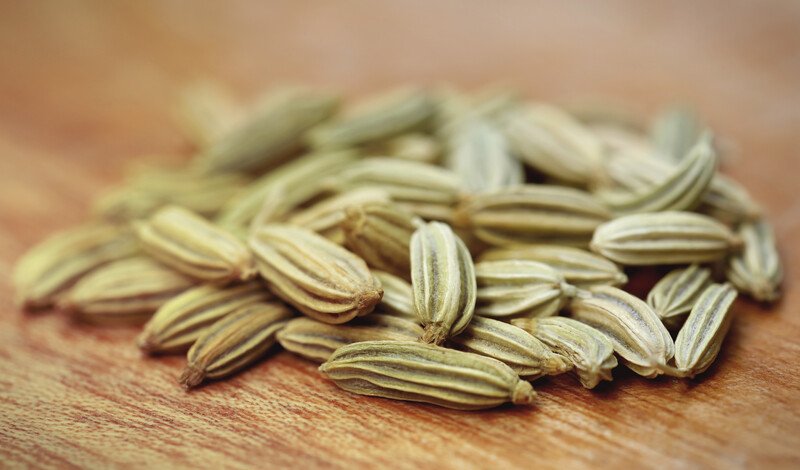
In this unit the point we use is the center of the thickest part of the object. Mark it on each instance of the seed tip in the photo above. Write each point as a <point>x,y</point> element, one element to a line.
<point>147,343</point>
<point>523,393</point>
<point>435,333</point>
<point>368,299</point>
<point>191,377</point>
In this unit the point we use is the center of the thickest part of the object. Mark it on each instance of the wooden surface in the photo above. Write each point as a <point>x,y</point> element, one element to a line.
<point>84,89</point>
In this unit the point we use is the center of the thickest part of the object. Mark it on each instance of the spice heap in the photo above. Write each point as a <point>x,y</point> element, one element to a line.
<point>423,245</point>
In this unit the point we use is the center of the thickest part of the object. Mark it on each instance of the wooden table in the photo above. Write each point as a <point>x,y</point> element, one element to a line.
<point>85,89</point>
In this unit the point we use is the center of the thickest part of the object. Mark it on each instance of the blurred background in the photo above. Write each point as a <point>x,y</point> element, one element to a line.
<point>92,82</point>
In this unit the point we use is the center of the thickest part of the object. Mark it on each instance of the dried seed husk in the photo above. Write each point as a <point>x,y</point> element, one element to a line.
<point>426,373</point>
<point>54,265</point>
<point>398,296</point>
<point>429,191</point>
<point>387,115</point>
<point>529,357</point>
<point>186,317</point>
<point>554,143</point>
<point>443,282</point>
<point>479,154</point>
<point>757,269</point>
<point>590,351</point>
<point>699,340</point>
<point>206,111</point>
<point>670,237</point>
<point>234,342</point>
<point>634,329</point>
<point>533,214</point>
<point>194,246</point>
<point>313,274</point>
<point>515,288</point>
<point>579,267</point>
<point>316,340</point>
<point>298,174</point>
<point>326,216</point>
<point>380,233</point>
<point>270,133</point>
<point>675,131</point>
<point>674,295</point>
<point>682,189</point>
<point>126,291</point>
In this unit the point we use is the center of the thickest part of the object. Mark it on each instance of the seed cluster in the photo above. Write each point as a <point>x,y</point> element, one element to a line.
<point>425,245</point>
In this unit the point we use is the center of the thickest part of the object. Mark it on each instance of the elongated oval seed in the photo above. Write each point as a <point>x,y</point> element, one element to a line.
<point>528,212</point>
<point>326,216</point>
<point>124,291</point>
<point>242,209</point>
<point>316,340</point>
<point>674,132</point>
<point>579,267</point>
<point>56,264</point>
<point>700,338</point>
<point>676,293</point>
<point>381,234</point>
<point>533,214</point>
<point>194,246</point>
<point>398,296</point>
<point>426,190</point>
<point>206,111</point>
<point>183,319</point>
<point>378,118</point>
<point>630,324</point>
<point>489,104</point>
<point>664,238</point>
<point>683,189</point>
<point>272,132</point>
<point>234,342</point>
<point>479,154</point>
<point>512,288</point>
<point>757,270</point>
<point>591,352</point>
<point>313,274</point>
<point>554,143</point>
<point>604,115</point>
<point>426,373</point>
<point>415,147</point>
<point>455,106</point>
<point>629,164</point>
<point>528,356</point>
<point>443,282</point>
<point>147,191</point>
<point>284,199</point>
<point>727,201</point>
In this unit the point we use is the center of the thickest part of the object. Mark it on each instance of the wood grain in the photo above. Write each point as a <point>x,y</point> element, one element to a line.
<point>84,91</point>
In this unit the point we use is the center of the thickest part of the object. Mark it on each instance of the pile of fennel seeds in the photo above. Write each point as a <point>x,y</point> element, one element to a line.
<point>425,244</point>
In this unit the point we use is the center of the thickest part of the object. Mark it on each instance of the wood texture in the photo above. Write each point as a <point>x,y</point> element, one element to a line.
<point>85,89</point>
